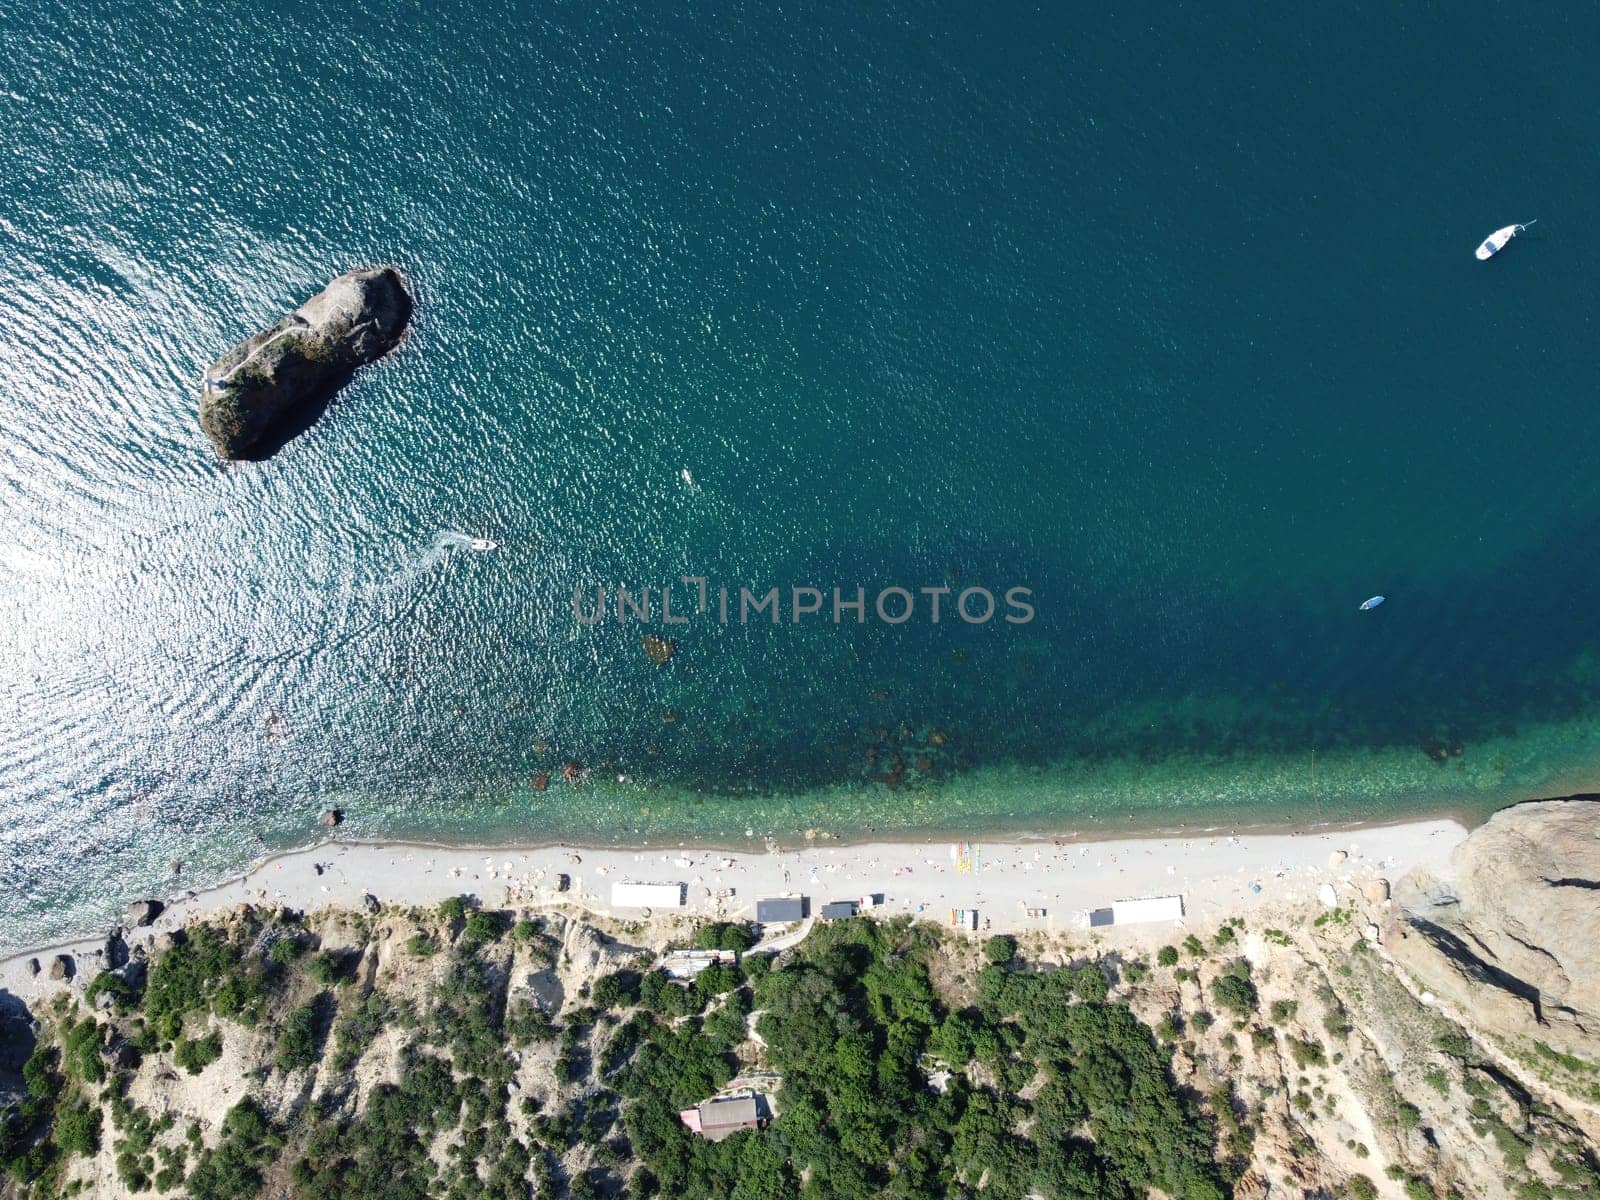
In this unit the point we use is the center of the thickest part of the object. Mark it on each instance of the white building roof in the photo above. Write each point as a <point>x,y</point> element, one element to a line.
<point>1156,908</point>
<point>647,895</point>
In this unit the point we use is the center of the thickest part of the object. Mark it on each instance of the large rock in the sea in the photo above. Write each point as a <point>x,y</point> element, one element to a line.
<point>269,389</point>
<point>1511,938</point>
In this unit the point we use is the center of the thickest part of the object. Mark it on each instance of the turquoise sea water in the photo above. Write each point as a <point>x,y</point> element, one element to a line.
<point>1169,315</point>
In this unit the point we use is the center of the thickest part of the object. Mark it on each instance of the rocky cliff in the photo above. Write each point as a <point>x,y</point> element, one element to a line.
<point>267,390</point>
<point>1514,936</point>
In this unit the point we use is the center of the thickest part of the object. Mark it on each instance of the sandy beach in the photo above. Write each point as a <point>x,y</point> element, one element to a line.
<point>1015,886</point>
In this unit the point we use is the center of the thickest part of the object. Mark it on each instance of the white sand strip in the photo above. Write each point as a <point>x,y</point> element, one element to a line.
<point>1218,875</point>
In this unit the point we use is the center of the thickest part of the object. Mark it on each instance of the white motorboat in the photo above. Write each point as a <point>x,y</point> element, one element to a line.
<point>1496,241</point>
<point>1372,602</point>
<point>485,544</point>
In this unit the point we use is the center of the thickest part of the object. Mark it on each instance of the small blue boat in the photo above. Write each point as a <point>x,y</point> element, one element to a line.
<point>1369,604</point>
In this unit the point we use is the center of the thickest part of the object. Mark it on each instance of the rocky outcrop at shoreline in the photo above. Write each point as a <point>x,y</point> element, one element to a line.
<point>1512,937</point>
<point>141,913</point>
<point>271,388</point>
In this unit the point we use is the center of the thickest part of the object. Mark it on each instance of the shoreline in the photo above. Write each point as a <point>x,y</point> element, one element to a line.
<point>139,853</point>
<point>1134,830</point>
<point>1220,871</point>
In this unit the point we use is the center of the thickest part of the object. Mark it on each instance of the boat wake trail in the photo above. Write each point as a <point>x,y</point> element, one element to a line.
<point>445,545</point>
<point>356,611</point>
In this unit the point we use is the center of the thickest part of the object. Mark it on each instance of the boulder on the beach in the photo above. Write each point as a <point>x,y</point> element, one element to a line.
<point>330,817</point>
<point>141,913</point>
<point>370,902</point>
<point>61,967</point>
<point>1509,936</point>
<point>269,389</point>
<point>1336,859</point>
<point>116,950</point>
<point>33,966</point>
<point>1377,891</point>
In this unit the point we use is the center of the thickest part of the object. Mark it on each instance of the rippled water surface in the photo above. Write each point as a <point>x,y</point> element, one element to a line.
<point>1173,321</point>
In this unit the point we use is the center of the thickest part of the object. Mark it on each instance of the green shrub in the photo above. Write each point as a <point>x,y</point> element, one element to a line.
<point>454,909</point>
<point>715,980</point>
<point>420,945</point>
<point>1000,949</point>
<point>326,968</point>
<point>77,1128</point>
<point>725,935</point>
<point>358,1029</point>
<point>1234,991</point>
<point>205,971</point>
<point>1307,1053</point>
<point>1283,1011</point>
<point>1167,956</point>
<point>80,1050</point>
<point>483,928</point>
<point>196,1054</point>
<point>123,994</point>
<point>1089,983</point>
<point>232,1170</point>
<point>619,989</point>
<point>297,1048</point>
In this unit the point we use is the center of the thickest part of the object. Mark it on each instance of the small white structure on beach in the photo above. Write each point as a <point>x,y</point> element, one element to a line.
<point>1138,912</point>
<point>647,895</point>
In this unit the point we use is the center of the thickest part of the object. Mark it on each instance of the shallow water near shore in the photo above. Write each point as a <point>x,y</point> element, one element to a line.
<point>1180,331</point>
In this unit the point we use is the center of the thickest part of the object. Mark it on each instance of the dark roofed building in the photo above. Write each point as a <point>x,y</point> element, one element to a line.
<point>717,1119</point>
<point>781,908</point>
<point>838,910</point>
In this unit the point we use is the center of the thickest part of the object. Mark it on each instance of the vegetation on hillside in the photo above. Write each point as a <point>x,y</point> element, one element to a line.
<point>851,1020</point>
<point>910,1066</point>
